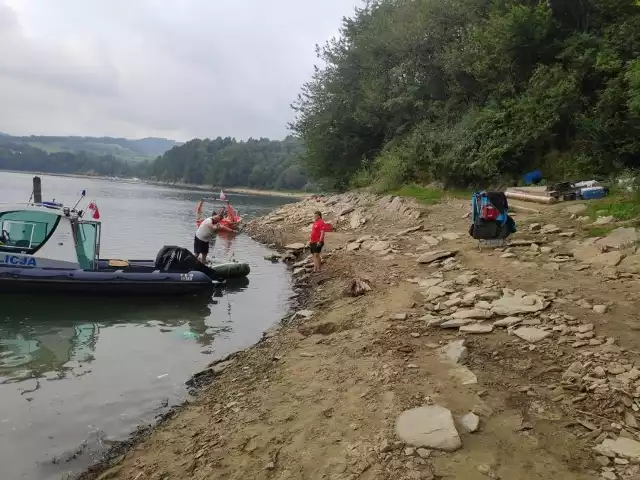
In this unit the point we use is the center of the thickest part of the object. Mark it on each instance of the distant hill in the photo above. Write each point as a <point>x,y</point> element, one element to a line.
<point>121,148</point>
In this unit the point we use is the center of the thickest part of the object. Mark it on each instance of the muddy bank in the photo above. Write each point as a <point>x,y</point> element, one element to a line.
<point>454,362</point>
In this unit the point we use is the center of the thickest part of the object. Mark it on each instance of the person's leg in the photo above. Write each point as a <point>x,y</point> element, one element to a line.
<point>196,247</point>
<point>315,262</point>
<point>205,252</point>
<point>320,245</point>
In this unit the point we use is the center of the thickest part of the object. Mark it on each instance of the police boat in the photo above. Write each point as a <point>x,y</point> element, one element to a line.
<point>46,247</point>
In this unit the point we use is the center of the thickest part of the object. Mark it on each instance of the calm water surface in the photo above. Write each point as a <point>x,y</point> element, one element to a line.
<point>78,373</point>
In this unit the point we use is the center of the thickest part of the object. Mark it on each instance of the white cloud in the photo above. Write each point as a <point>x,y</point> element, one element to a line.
<point>151,67</point>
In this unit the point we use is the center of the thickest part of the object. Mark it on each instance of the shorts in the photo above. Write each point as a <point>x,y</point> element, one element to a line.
<point>200,247</point>
<point>316,247</point>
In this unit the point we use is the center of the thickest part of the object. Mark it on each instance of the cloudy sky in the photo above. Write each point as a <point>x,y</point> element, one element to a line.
<point>169,68</point>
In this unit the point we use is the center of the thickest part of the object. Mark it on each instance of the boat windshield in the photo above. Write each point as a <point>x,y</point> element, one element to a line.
<point>25,230</point>
<point>87,236</point>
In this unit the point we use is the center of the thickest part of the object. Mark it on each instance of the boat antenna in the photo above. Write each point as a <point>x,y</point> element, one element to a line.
<point>82,194</point>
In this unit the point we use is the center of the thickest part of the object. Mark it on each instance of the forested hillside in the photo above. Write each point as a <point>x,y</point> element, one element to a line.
<point>25,158</point>
<point>475,92</point>
<point>120,148</point>
<point>221,162</point>
<point>225,162</point>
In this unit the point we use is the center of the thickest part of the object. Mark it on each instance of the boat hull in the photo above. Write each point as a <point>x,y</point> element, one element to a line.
<point>110,283</point>
<point>224,271</point>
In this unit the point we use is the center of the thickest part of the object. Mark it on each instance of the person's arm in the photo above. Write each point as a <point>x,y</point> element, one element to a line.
<point>326,227</point>
<point>199,207</point>
<point>224,228</point>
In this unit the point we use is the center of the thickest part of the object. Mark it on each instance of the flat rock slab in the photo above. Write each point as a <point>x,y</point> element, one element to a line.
<point>380,246</point>
<point>507,321</point>
<point>431,241</point>
<point>477,328</point>
<point>430,426</point>
<point>435,292</point>
<point>514,305</point>
<point>472,313</point>
<point>604,220</point>
<point>619,238</point>
<point>429,282</point>
<point>547,229</point>
<point>630,264</point>
<point>457,322</point>
<point>531,334</point>
<point>466,279</point>
<point>463,375</point>
<point>450,236</point>
<point>609,259</point>
<point>433,321</point>
<point>410,230</point>
<point>585,253</point>
<point>454,352</point>
<point>623,447</point>
<point>295,246</point>
<point>430,257</point>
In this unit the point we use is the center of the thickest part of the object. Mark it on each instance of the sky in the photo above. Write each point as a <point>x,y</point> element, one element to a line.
<point>167,68</point>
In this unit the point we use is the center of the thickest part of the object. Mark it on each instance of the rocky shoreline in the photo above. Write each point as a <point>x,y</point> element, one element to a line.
<point>415,355</point>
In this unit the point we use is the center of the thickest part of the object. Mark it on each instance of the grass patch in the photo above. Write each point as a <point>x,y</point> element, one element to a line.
<point>599,231</point>
<point>430,195</point>
<point>621,207</point>
<point>427,195</point>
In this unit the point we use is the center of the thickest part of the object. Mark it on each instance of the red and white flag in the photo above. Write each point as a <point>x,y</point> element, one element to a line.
<point>222,195</point>
<point>93,208</point>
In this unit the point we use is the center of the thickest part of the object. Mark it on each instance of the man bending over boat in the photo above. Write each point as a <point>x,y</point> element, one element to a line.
<point>206,233</point>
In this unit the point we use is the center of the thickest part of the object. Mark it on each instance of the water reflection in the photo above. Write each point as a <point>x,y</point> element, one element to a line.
<point>55,335</point>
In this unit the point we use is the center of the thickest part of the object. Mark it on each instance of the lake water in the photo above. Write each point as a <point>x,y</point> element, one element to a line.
<point>78,373</point>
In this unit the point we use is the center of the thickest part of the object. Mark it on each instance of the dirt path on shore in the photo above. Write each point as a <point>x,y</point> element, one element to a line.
<point>321,395</point>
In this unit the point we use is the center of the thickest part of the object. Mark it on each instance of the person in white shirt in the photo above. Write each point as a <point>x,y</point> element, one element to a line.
<point>205,233</point>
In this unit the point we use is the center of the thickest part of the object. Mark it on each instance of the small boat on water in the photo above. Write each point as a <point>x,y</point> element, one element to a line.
<point>47,247</point>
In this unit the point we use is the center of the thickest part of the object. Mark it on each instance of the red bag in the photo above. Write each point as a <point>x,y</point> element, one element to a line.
<point>489,212</point>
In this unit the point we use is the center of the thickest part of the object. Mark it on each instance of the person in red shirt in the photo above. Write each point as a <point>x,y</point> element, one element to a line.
<point>316,239</point>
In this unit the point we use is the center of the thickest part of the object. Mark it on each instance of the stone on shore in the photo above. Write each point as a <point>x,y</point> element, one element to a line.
<point>295,246</point>
<point>454,351</point>
<point>463,375</point>
<point>531,334</point>
<point>304,314</point>
<point>457,322</point>
<point>472,313</point>
<point>430,257</point>
<point>380,246</point>
<point>507,321</point>
<point>623,447</point>
<point>514,305</point>
<point>430,426</point>
<point>477,328</point>
<point>630,264</point>
<point>604,220</point>
<point>619,238</point>
<point>470,422</point>
<point>608,259</point>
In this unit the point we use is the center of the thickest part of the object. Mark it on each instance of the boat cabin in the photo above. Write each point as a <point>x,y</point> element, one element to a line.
<point>47,235</point>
